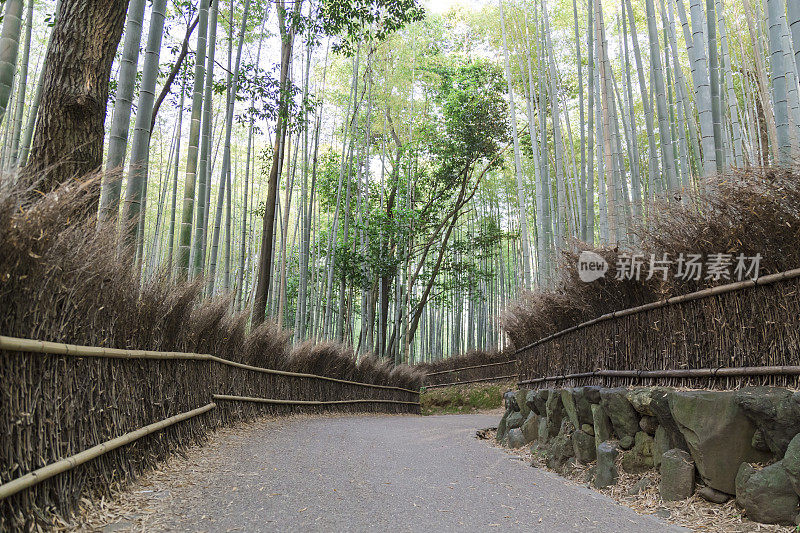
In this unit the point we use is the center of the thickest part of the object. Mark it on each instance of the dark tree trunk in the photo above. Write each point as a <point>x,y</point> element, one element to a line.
<point>268,221</point>
<point>763,133</point>
<point>387,278</point>
<point>68,142</point>
<point>389,248</point>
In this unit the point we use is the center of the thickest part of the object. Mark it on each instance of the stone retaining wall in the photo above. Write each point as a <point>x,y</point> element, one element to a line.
<point>742,444</point>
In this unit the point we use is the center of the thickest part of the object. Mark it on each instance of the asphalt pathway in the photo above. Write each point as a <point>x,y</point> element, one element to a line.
<point>375,473</point>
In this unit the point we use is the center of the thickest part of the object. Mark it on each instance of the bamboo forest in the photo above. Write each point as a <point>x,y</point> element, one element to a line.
<point>389,174</point>
<point>400,265</point>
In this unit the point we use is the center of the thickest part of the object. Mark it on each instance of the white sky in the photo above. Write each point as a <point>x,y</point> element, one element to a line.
<point>443,6</point>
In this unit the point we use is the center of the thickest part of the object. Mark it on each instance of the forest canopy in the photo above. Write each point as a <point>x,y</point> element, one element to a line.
<point>391,174</point>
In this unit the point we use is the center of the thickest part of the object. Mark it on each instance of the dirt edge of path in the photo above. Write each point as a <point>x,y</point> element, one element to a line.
<point>695,513</point>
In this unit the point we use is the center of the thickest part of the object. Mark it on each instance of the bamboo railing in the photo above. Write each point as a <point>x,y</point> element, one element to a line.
<point>207,378</point>
<point>479,380</point>
<point>752,371</point>
<point>718,337</point>
<point>46,472</point>
<point>304,402</point>
<point>464,370</point>
<point>459,369</point>
<point>56,348</point>
<point>705,293</point>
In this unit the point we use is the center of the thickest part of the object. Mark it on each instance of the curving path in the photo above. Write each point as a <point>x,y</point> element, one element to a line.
<point>370,473</point>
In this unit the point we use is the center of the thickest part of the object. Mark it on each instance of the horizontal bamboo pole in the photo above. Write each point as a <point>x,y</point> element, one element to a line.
<point>705,293</point>
<point>302,375</point>
<point>303,402</point>
<point>469,367</point>
<point>14,344</point>
<point>496,378</point>
<point>557,378</point>
<point>744,371</point>
<point>46,472</point>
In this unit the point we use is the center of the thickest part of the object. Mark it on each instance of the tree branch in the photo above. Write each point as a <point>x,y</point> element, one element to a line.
<point>173,73</point>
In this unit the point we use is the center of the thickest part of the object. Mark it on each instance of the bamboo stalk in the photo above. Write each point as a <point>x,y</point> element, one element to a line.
<point>304,402</point>
<point>46,472</point>
<point>472,381</point>
<point>705,293</point>
<point>56,348</point>
<point>470,367</point>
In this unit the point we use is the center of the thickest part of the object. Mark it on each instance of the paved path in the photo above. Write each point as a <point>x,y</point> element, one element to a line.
<point>374,473</point>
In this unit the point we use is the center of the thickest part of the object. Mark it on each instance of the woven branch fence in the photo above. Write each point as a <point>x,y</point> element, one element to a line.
<point>76,419</point>
<point>503,370</point>
<point>744,333</point>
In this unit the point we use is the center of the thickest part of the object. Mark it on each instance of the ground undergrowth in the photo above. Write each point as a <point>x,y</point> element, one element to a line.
<point>464,399</point>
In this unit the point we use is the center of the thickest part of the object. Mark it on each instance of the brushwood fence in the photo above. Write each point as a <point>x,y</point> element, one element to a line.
<point>744,333</point>
<point>77,419</point>
<point>505,370</point>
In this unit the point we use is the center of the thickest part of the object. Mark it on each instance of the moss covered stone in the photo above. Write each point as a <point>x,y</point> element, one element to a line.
<point>623,416</point>
<point>767,495</point>
<point>718,434</point>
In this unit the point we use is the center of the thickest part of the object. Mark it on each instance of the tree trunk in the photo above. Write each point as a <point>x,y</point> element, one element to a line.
<point>731,99</point>
<point>562,218</point>
<point>307,206</point>
<point>589,238</point>
<point>268,226</point>
<point>791,86</point>
<point>635,162</point>
<point>282,265</point>
<point>582,185</point>
<point>544,176</point>
<point>542,203</point>
<point>606,101</point>
<point>683,91</point>
<point>68,142</point>
<point>243,249</point>
<point>332,234</point>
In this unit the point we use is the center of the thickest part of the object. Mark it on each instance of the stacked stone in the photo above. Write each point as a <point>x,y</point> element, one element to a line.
<point>709,441</point>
